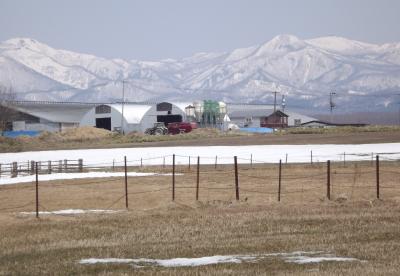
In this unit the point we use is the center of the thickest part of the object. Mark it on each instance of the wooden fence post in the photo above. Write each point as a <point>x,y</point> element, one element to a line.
<point>113,165</point>
<point>286,158</point>
<point>173,177</point>
<point>328,182</point>
<point>163,162</point>
<point>141,162</point>
<point>189,162</point>
<point>65,165</point>
<point>14,171</point>
<point>49,167</point>
<point>126,183</point>
<point>216,161</point>
<point>37,190</point>
<point>59,166</point>
<point>251,160</point>
<point>279,180</point>
<point>80,165</point>
<point>377,176</point>
<point>32,167</point>
<point>311,158</point>
<point>344,159</point>
<point>236,178</point>
<point>198,178</point>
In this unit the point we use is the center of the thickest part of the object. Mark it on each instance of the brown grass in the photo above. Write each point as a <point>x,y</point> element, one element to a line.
<point>352,224</point>
<point>88,137</point>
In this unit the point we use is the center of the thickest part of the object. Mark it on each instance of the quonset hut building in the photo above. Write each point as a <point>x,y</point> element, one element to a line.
<point>133,117</point>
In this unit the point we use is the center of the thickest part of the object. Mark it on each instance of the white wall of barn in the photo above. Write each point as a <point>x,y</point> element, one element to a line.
<point>146,121</point>
<point>151,116</point>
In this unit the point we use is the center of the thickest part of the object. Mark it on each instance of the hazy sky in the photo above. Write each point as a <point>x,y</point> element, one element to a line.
<point>151,29</point>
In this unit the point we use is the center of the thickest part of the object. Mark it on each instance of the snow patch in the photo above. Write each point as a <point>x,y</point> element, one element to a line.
<point>299,257</point>
<point>72,212</point>
<point>63,176</point>
<point>309,260</point>
<point>261,153</point>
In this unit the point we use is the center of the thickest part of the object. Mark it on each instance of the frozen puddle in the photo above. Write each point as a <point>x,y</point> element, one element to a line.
<point>62,176</point>
<point>72,212</point>
<point>299,257</point>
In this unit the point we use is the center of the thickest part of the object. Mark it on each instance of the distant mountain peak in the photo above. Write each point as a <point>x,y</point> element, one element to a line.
<point>282,43</point>
<point>286,63</point>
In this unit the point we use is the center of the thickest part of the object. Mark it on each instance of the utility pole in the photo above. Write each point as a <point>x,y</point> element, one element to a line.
<point>275,100</point>
<point>123,103</point>
<point>331,104</point>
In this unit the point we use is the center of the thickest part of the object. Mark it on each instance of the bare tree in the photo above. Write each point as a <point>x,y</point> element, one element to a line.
<point>7,95</point>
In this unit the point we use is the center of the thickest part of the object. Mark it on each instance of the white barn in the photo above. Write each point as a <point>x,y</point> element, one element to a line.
<point>132,117</point>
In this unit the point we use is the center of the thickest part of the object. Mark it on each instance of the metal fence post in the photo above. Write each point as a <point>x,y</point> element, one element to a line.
<point>37,190</point>
<point>198,178</point>
<point>173,177</point>
<point>236,178</point>
<point>126,183</point>
<point>328,182</point>
<point>216,162</point>
<point>65,165</point>
<point>279,181</point>
<point>377,176</point>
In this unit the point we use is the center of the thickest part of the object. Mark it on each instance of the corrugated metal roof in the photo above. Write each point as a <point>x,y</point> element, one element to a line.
<point>54,112</point>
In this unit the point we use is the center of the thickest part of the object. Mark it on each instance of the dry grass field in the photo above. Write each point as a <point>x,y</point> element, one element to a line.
<point>352,224</point>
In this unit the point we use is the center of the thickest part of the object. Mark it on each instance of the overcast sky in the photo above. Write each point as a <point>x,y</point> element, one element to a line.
<point>151,29</point>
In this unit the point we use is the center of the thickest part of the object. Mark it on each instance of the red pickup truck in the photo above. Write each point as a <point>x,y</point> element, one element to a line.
<point>180,127</point>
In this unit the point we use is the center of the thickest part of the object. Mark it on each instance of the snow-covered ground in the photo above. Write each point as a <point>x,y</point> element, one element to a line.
<point>299,257</point>
<point>259,153</point>
<point>59,176</point>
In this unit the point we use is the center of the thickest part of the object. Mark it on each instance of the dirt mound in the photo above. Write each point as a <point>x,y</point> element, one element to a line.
<point>76,134</point>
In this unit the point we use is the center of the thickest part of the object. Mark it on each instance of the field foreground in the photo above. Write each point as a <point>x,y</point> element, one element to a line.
<point>352,224</point>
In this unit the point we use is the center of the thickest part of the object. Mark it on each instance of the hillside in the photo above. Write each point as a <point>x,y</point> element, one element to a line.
<point>364,76</point>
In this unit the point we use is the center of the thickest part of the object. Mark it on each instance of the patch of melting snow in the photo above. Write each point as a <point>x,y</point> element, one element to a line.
<point>298,257</point>
<point>72,212</point>
<point>309,260</point>
<point>63,176</point>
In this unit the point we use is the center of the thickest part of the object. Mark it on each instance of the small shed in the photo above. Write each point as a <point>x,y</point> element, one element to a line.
<point>278,119</point>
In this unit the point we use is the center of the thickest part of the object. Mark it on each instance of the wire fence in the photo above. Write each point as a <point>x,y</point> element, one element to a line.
<point>243,179</point>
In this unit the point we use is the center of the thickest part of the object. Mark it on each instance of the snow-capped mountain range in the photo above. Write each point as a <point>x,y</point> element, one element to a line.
<point>362,75</point>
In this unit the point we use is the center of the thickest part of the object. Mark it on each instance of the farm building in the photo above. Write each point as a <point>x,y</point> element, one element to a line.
<point>133,117</point>
<point>278,119</point>
<point>43,116</point>
<point>248,115</point>
<point>322,124</point>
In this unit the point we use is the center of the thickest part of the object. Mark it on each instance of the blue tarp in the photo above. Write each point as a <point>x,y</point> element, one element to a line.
<point>257,129</point>
<point>13,134</point>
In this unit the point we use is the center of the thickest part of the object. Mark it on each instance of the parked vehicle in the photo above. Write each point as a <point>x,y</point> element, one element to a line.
<point>158,129</point>
<point>179,127</point>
